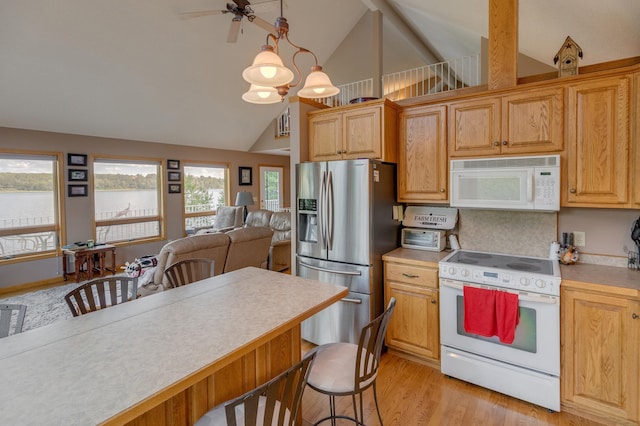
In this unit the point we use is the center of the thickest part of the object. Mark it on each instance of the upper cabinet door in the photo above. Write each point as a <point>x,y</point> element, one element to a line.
<point>635,145</point>
<point>598,143</point>
<point>533,122</point>
<point>422,155</point>
<point>474,127</point>
<point>362,133</point>
<point>325,137</point>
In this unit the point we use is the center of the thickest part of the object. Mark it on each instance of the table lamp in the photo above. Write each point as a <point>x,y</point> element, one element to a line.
<point>244,199</point>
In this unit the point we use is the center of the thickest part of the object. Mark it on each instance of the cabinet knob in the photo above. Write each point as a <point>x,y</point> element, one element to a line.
<point>572,190</point>
<point>433,302</point>
<point>338,152</point>
<point>441,189</point>
<point>505,143</point>
<point>635,316</point>
<point>496,143</point>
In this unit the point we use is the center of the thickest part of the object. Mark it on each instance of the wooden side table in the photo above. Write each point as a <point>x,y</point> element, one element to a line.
<point>89,262</point>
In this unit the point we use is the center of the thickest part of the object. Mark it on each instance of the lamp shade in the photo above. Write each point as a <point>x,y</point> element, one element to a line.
<point>244,198</point>
<point>267,69</point>
<point>318,85</point>
<point>262,95</point>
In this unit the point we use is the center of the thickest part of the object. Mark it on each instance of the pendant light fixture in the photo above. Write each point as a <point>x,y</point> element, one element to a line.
<point>270,80</point>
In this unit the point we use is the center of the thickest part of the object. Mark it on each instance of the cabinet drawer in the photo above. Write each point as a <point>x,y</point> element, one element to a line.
<point>411,274</point>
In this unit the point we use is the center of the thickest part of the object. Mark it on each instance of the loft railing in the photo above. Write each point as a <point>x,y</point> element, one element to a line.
<point>435,78</point>
<point>282,125</point>
<point>430,79</point>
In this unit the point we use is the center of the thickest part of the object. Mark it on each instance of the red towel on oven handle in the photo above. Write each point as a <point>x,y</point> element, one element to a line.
<point>506,316</point>
<point>479,311</point>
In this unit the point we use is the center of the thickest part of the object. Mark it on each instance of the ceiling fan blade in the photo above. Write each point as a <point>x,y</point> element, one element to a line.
<point>190,15</point>
<point>264,24</point>
<point>234,30</point>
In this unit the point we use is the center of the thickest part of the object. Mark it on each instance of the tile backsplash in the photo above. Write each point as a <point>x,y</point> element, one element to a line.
<point>500,231</point>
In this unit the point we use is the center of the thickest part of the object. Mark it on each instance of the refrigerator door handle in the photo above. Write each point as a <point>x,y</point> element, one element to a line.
<point>321,219</point>
<point>350,300</point>
<point>330,211</point>
<point>333,271</point>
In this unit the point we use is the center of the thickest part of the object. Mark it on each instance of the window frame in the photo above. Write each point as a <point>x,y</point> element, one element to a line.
<point>58,227</point>
<point>160,217</point>
<point>227,189</point>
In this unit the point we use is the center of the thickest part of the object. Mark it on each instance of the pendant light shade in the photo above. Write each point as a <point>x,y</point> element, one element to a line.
<point>318,85</point>
<point>267,69</point>
<point>262,95</point>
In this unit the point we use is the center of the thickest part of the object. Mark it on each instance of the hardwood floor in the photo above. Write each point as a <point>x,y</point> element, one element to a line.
<point>412,394</point>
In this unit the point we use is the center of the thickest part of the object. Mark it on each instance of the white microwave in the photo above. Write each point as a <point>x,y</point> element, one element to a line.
<point>512,183</point>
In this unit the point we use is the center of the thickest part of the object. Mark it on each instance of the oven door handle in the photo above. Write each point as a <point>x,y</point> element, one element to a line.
<point>524,296</point>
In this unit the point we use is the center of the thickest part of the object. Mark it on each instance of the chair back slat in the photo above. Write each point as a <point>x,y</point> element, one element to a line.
<point>7,315</point>
<point>370,347</point>
<point>280,398</point>
<point>188,271</point>
<point>92,295</point>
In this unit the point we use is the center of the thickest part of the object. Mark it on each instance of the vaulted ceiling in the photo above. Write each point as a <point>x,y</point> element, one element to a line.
<point>133,69</point>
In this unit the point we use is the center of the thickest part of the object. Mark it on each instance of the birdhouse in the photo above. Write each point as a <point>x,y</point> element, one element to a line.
<point>567,58</point>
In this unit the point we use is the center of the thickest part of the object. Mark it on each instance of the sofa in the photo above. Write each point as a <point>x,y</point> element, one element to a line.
<point>233,250</point>
<point>280,249</point>
<point>226,219</point>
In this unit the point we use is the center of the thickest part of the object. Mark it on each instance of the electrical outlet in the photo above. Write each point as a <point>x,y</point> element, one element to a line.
<point>579,239</point>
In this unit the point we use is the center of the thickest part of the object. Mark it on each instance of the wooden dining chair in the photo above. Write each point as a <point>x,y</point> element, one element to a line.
<point>276,402</point>
<point>347,369</point>
<point>188,271</point>
<point>11,319</point>
<point>101,293</point>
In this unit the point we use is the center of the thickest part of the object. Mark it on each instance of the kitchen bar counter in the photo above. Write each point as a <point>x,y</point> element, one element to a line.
<point>165,358</point>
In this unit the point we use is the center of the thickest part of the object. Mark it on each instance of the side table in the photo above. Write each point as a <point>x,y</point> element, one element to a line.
<point>89,262</point>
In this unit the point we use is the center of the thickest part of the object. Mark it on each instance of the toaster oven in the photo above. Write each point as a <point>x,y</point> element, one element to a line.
<point>423,239</point>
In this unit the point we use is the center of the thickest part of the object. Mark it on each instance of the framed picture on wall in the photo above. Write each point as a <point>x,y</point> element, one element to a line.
<point>175,188</point>
<point>77,190</point>
<point>79,175</point>
<point>77,160</point>
<point>174,177</point>
<point>244,175</point>
<point>173,164</point>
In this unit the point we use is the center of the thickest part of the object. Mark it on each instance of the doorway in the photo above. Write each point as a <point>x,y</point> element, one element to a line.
<point>271,187</point>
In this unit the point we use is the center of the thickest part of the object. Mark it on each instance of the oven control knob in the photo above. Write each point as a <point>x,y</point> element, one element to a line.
<point>524,281</point>
<point>465,272</point>
<point>452,270</point>
<point>541,284</point>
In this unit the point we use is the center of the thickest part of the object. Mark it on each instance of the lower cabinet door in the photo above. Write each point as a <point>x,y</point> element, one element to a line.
<point>414,326</point>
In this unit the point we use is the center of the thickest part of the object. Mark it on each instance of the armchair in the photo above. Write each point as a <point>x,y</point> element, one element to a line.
<point>280,250</point>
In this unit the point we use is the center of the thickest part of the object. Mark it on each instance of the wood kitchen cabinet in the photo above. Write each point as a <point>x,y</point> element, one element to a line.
<point>600,337</point>
<point>422,155</point>
<point>635,144</point>
<point>598,132</point>
<point>526,122</point>
<point>367,130</point>
<point>415,325</point>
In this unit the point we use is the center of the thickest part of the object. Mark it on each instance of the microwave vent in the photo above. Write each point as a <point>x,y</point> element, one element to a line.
<point>506,163</point>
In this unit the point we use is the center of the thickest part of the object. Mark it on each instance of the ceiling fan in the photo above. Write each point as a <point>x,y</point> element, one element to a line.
<point>240,9</point>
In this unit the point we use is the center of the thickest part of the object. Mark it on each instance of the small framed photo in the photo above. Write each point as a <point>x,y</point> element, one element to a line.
<point>244,177</point>
<point>173,164</point>
<point>175,188</point>
<point>79,175</point>
<point>77,190</point>
<point>174,176</point>
<point>77,160</point>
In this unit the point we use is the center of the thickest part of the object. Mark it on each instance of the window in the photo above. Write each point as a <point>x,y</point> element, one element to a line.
<point>271,188</point>
<point>127,200</point>
<point>205,188</point>
<point>29,194</point>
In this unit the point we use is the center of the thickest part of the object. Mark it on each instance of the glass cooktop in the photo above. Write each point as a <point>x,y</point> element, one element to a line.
<point>535,265</point>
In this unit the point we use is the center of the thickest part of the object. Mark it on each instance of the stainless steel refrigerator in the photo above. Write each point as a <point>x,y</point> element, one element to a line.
<point>345,224</point>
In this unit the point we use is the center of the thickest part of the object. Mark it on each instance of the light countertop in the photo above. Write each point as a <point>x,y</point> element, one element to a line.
<point>414,256</point>
<point>89,368</point>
